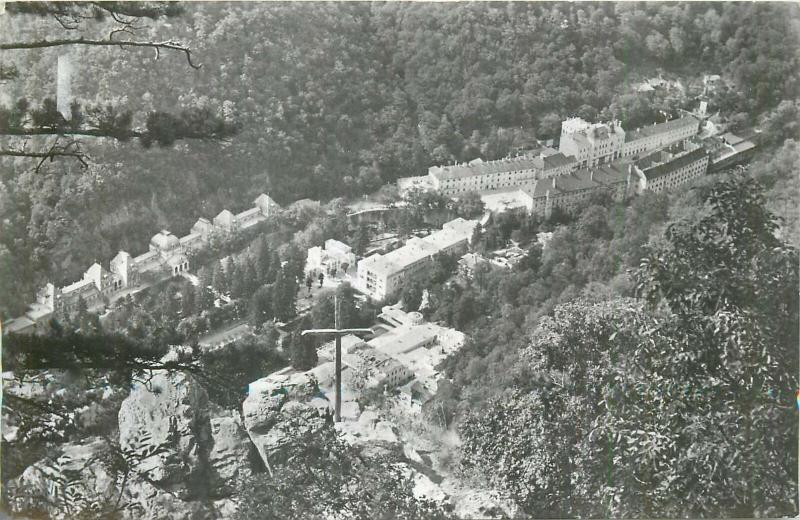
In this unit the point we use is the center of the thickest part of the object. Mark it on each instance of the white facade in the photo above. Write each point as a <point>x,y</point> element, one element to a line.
<point>382,275</point>
<point>599,143</point>
<point>591,144</point>
<point>664,171</point>
<point>649,138</point>
<point>166,252</point>
<point>334,257</point>
<point>503,174</point>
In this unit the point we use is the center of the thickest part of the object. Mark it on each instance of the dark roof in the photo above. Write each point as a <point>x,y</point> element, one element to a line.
<point>675,164</point>
<point>647,131</point>
<point>731,138</point>
<point>585,178</point>
<point>557,159</point>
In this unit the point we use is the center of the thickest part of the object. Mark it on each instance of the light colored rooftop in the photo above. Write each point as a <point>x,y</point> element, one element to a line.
<point>501,201</point>
<point>164,240</point>
<point>405,339</point>
<point>337,247</point>
<point>145,257</point>
<point>248,213</point>
<point>37,311</point>
<point>80,284</point>
<point>18,324</point>
<point>416,249</point>
<point>659,128</point>
<point>191,237</point>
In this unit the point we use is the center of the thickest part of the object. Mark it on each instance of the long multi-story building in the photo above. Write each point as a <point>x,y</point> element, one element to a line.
<point>479,175</point>
<point>382,275</point>
<point>569,191</point>
<point>669,168</point>
<point>166,254</point>
<point>582,145</point>
<point>598,143</point>
<point>658,135</point>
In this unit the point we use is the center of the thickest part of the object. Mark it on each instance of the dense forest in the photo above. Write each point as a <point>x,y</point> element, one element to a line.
<point>335,99</point>
<point>640,360</point>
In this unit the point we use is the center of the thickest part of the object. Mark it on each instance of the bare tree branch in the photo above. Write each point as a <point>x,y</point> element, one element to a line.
<point>41,44</point>
<point>50,154</point>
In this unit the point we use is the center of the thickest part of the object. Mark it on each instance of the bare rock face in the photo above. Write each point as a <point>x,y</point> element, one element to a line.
<point>231,455</point>
<point>165,428</point>
<point>273,420</point>
<point>147,502</point>
<point>74,481</point>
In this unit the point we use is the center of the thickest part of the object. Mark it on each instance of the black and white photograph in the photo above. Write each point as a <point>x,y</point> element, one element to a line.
<point>399,260</point>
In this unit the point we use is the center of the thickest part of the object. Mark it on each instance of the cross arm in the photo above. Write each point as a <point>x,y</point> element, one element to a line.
<point>336,332</point>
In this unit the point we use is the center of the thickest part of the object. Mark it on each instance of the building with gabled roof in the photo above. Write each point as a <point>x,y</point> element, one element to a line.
<point>480,176</point>
<point>672,167</point>
<point>266,204</point>
<point>225,220</point>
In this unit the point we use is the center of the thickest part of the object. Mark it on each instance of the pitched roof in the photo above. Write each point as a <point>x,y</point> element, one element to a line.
<point>647,131</point>
<point>165,240</point>
<point>585,178</point>
<point>667,167</point>
<point>473,169</point>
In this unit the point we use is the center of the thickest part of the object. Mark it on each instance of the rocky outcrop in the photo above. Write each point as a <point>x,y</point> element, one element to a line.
<point>231,455</point>
<point>73,481</point>
<point>165,428</point>
<point>273,420</point>
<point>174,459</point>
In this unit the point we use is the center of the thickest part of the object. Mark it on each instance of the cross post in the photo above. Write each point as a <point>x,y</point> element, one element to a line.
<point>337,332</point>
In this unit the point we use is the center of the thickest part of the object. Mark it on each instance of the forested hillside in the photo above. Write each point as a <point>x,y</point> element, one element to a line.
<point>340,98</point>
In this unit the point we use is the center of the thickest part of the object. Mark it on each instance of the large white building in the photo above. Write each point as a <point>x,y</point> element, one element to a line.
<point>658,135</point>
<point>382,275</point>
<point>479,175</point>
<point>335,257</point>
<point>600,143</point>
<point>591,144</point>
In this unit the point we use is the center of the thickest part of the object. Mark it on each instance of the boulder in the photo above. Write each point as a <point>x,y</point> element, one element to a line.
<point>165,428</point>
<point>231,455</point>
<point>148,502</point>
<point>72,482</point>
<point>273,420</point>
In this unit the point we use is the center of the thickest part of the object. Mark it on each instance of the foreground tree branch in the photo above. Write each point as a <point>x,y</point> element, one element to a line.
<point>51,154</point>
<point>157,46</point>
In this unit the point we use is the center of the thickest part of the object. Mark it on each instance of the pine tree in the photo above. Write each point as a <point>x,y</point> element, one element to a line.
<point>476,242</point>
<point>284,296</point>
<point>295,261</point>
<point>361,242</point>
<point>274,267</point>
<point>249,279</point>
<point>188,302</point>
<point>236,277</point>
<point>264,263</point>
<point>303,349</point>
<point>204,297</point>
<point>228,266</point>
<point>218,278</point>
<point>261,306</point>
